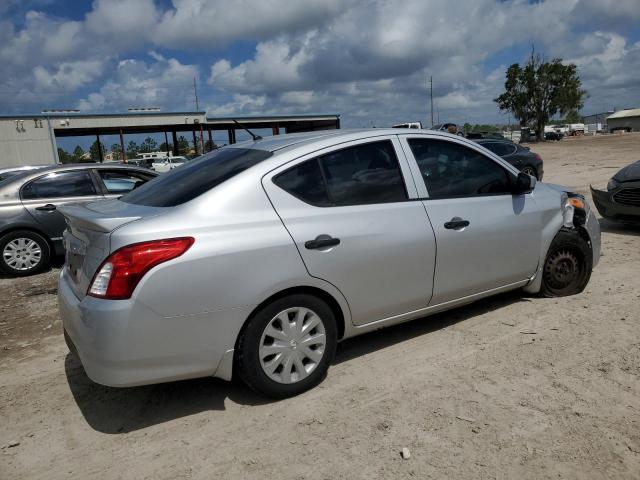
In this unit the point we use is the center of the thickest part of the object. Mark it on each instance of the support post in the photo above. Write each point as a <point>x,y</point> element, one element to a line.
<point>195,142</point>
<point>124,152</point>
<point>99,148</point>
<point>175,143</point>
<point>210,138</point>
<point>201,139</point>
<point>275,129</point>
<point>166,142</point>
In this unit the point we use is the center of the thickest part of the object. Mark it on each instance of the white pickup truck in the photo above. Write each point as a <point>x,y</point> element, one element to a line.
<point>162,165</point>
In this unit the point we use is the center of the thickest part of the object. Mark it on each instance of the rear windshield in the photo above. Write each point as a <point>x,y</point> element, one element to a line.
<point>196,177</point>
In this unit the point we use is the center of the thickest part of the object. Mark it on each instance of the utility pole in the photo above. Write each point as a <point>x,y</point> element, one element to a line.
<point>195,93</point>
<point>431,92</point>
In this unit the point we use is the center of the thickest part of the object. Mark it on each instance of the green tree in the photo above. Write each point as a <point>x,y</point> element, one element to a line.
<point>538,90</point>
<point>78,152</point>
<point>574,117</point>
<point>148,145</point>
<point>132,149</point>
<point>209,145</point>
<point>94,151</point>
<point>64,156</point>
<point>117,151</point>
<point>183,145</point>
<point>166,147</point>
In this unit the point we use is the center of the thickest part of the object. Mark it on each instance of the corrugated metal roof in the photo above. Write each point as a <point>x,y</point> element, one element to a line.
<point>632,112</point>
<point>99,115</point>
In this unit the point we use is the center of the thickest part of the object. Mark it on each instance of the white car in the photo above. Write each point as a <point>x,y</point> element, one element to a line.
<point>165,164</point>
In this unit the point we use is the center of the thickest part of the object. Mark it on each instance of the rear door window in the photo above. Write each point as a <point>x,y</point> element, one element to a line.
<point>196,177</point>
<point>305,182</point>
<point>364,174</point>
<point>76,183</point>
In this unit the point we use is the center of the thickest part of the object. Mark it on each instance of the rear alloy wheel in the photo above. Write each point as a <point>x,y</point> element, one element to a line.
<point>530,171</point>
<point>287,347</point>
<point>23,253</point>
<point>567,268</point>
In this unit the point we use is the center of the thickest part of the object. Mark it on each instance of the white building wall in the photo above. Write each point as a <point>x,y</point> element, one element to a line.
<point>25,143</point>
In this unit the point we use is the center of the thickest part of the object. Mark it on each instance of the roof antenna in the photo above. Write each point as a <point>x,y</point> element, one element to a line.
<point>253,135</point>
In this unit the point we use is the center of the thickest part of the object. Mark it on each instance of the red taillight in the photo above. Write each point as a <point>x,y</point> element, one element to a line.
<point>117,277</point>
<point>538,157</point>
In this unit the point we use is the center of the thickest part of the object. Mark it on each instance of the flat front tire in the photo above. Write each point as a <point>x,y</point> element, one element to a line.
<point>23,253</point>
<point>567,267</point>
<point>287,346</point>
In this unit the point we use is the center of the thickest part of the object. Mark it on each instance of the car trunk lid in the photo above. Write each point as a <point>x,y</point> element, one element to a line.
<point>87,237</point>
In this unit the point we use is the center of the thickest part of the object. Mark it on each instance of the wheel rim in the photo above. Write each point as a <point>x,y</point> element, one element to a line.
<point>292,345</point>
<point>529,171</point>
<point>22,254</point>
<point>562,269</point>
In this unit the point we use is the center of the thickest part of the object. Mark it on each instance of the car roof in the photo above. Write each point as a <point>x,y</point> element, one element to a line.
<point>279,143</point>
<point>18,180</point>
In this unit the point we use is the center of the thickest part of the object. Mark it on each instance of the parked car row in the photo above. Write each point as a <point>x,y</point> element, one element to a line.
<point>30,224</point>
<point>256,259</point>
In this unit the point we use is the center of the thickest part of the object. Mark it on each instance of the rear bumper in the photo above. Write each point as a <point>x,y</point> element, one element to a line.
<point>609,209</point>
<point>123,343</point>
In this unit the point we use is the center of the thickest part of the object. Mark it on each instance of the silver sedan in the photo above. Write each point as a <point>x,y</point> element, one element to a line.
<point>257,258</point>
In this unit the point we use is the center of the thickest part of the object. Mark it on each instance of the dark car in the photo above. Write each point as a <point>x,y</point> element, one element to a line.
<point>553,136</point>
<point>30,225</point>
<point>479,135</point>
<point>621,200</point>
<point>520,157</point>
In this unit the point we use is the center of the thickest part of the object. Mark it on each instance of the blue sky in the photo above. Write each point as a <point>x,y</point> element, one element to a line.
<point>368,60</point>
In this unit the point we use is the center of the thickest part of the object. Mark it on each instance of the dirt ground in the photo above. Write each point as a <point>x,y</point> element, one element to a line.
<point>509,387</point>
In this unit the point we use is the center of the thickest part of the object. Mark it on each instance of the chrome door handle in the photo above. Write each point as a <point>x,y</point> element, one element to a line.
<point>456,224</point>
<point>49,207</point>
<point>321,241</point>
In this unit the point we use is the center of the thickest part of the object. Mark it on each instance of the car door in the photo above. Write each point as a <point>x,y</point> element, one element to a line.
<point>115,182</point>
<point>354,216</point>
<point>43,195</point>
<point>486,237</point>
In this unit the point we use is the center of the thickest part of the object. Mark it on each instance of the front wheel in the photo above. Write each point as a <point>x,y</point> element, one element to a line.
<point>567,268</point>
<point>287,347</point>
<point>23,253</point>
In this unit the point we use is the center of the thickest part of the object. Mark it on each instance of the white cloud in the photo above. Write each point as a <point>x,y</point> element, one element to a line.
<point>367,59</point>
<point>206,24</point>
<point>136,83</point>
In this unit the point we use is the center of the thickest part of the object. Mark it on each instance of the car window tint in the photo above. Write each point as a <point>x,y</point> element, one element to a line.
<point>453,170</point>
<point>364,174</point>
<point>60,184</point>
<point>122,181</point>
<point>196,177</point>
<point>501,148</point>
<point>305,182</point>
<point>492,146</point>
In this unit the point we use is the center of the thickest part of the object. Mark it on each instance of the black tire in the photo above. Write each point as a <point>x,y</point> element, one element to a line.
<point>44,258</point>
<point>248,363</point>
<point>567,268</point>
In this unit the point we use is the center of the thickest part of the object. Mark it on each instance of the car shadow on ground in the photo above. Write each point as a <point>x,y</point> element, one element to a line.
<point>379,339</point>
<point>56,262</point>
<point>619,228</point>
<point>122,410</point>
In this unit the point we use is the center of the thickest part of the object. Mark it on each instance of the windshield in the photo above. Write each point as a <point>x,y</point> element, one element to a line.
<point>195,177</point>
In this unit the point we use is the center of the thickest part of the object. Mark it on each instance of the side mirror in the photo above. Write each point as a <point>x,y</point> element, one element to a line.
<point>523,184</point>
